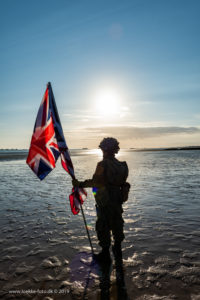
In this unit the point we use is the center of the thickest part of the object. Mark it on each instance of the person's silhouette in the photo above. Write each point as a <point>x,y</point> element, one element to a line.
<point>111,190</point>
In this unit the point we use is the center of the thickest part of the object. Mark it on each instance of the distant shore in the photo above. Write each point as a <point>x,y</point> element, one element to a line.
<point>13,154</point>
<point>167,149</point>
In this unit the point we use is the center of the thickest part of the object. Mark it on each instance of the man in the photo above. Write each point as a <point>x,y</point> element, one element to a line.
<point>109,181</point>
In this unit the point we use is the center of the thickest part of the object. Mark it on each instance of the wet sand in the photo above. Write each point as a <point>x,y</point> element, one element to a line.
<point>45,253</point>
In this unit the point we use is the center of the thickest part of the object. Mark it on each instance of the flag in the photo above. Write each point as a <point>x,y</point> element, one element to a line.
<point>48,143</point>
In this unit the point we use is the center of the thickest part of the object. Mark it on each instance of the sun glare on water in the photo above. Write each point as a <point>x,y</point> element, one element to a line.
<point>99,153</point>
<point>107,102</point>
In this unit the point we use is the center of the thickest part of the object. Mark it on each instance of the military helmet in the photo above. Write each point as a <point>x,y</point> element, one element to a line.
<point>110,145</point>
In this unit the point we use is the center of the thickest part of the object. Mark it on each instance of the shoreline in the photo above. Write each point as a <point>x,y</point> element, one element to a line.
<point>6,155</point>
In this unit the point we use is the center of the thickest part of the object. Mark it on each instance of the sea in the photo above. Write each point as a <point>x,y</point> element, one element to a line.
<point>45,252</point>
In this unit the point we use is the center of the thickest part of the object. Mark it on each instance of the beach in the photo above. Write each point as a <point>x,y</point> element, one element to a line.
<point>45,253</point>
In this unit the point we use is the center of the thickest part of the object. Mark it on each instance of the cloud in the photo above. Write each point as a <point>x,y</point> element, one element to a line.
<point>82,114</point>
<point>135,136</point>
<point>142,132</point>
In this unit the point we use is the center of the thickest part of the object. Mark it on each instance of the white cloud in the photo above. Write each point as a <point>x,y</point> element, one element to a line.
<point>144,132</point>
<point>133,136</point>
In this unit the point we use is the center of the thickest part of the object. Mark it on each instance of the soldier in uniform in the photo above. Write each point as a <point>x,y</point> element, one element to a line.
<point>109,181</point>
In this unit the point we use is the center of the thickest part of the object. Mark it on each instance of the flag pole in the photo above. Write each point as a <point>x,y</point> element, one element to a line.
<point>85,223</point>
<point>87,229</point>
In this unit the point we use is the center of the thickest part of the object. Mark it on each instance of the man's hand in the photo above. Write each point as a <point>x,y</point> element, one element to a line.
<point>75,183</point>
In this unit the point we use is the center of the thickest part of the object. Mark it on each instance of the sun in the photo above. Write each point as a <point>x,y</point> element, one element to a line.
<point>107,102</point>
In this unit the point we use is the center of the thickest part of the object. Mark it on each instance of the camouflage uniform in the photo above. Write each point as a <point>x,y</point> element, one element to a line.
<point>109,176</point>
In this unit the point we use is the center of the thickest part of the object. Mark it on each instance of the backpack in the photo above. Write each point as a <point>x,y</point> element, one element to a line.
<point>116,174</point>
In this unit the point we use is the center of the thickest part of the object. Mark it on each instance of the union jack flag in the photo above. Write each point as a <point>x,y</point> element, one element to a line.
<point>48,143</point>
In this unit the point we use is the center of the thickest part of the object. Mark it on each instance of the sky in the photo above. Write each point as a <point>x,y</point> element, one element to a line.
<point>127,69</point>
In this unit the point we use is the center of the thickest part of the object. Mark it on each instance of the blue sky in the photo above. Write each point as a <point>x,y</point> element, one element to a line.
<point>139,60</point>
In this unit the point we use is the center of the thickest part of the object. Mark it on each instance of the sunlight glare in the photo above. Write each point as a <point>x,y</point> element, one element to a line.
<point>98,152</point>
<point>107,102</point>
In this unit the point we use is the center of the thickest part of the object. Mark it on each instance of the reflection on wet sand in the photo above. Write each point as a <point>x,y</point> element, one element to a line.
<point>112,290</point>
<point>87,273</point>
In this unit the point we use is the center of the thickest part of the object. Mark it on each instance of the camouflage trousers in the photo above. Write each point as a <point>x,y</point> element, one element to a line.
<point>109,219</point>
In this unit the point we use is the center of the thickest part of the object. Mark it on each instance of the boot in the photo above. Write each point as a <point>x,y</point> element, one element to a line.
<point>103,256</point>
<point>105,295</point>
